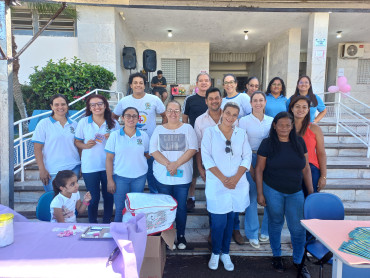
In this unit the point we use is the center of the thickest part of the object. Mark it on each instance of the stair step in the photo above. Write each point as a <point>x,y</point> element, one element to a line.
<point>199,217</point>
<point>351,150</point>
<point>197,244</point>
<point>339,138</point>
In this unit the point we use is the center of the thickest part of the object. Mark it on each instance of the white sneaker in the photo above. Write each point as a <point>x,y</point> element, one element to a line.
<point>213,262</point>
<point>264,238</point>
<point>228,265</point>
<point>255,243</point>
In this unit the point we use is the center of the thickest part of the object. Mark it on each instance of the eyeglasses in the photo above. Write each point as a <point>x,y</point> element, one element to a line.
<point>304,83</point>
<point>99,104</point>
<point>133,116</point>
<point>229,83</point>
<point>176,111</point>
<point>228,148</point>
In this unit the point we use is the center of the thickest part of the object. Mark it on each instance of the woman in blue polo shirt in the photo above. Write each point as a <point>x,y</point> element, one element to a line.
<point>304,88</point>
<point>53,143</point>
<point>127,153</point>
<point>275,97</point>
<point>91,136</point>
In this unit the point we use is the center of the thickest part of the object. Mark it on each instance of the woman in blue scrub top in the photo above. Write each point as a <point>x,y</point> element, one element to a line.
<point>304,88</point>
<point>275,97</point>
<point>127,153</point>
<point>53,143</point>
<point>91,136</point>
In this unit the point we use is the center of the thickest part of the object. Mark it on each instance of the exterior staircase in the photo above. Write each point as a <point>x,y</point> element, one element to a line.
<point>348,177</point>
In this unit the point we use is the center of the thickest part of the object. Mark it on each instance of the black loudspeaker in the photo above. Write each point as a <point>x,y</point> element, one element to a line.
<point>149,60</point>
<point>129,57</point>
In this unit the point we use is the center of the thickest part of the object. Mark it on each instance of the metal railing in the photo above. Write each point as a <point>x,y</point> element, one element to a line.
<point>351,115</point>
<point>23,147</point>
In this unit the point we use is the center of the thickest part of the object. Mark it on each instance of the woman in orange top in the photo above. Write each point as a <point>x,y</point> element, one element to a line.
<point>314,139</point>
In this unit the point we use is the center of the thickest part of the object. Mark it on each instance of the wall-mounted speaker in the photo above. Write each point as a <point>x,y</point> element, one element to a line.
<point>129,57</point>
<point>149,60</point>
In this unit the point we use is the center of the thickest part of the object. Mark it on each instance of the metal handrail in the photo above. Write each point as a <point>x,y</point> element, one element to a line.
<point>23,138</point>
<point>341,109</point>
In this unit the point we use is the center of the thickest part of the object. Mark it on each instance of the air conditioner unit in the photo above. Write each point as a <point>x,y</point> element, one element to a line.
<point>352,50</point>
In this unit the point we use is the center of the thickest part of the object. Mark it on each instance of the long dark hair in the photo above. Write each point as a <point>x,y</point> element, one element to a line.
<point>311,96</point>
<point>283,90</point>
<point>61,179</point>
<point>306,121</point>
<point>55,97</point>
<point>107,112</point>
<point>293,137</point>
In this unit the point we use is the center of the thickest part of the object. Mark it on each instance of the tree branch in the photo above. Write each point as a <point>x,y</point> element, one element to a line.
<point>64,5</point>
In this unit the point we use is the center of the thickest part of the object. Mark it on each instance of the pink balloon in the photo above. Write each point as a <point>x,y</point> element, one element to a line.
<point>346,88</point>
<point>333,89</point>
<point>342,81</point>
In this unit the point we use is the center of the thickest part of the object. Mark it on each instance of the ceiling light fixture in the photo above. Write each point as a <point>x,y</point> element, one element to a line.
<point>339,34</point>
<point>169,33</point>
<point>246,35</point>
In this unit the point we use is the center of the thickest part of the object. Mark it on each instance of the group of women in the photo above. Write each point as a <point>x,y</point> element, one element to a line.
<point>271,144</point>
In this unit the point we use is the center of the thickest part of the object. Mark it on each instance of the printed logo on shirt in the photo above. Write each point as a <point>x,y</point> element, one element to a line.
<point>72,130</point>
<point>172,142</point>
<point>142,120</point>
<point>148,106</point>
<point>139,141</point>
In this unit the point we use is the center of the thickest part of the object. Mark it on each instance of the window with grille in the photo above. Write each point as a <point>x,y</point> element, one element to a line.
<point>176,71</point>
<point>363,71</point>
<point>28,22</point>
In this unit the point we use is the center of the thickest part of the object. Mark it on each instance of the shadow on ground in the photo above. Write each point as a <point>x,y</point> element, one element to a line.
<point>259,267</point>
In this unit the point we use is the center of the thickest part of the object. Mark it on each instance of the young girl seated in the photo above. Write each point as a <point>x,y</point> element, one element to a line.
<point>67,198</point>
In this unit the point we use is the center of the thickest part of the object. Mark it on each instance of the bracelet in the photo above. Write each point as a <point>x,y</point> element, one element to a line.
<point>323,177</point>
<point>86,203</point>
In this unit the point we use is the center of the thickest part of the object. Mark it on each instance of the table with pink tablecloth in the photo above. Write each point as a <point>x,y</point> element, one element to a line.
<point>332,233</point>
<point>37,251</point>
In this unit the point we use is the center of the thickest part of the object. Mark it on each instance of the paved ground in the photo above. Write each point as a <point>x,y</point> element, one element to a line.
<point>251,267</point>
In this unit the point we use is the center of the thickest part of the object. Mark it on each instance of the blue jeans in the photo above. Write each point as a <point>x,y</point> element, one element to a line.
<point>124,186</point>
<point>180,193</point>
<point>221,232</point>
<point>92,182</point>
<point>152,182</point>
<point>251,222</point>
<point>290,206</point>
<point>315,172</point>
<point>49,186</point>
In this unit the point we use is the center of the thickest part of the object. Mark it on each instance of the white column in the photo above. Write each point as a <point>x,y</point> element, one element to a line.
<point>6,112</point>
<point>316,50</point>
<point>96,37</point>
<point>283,58</point>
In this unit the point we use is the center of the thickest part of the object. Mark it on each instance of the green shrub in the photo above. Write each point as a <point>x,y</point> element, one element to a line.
<point>32,101</point>
<point>72,80</point>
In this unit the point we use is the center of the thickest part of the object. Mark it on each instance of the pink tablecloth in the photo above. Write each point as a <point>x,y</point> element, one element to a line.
<point>38,252</point>
<point>333,233</point>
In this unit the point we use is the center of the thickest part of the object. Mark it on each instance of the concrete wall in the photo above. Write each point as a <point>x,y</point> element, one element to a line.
<point>284,55</point>
<point>96,37</point>
<point>257,68</point>
<point>123,37</point>
<point>42,50</point>
<point>198,53</point>
<point>350,66</point>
